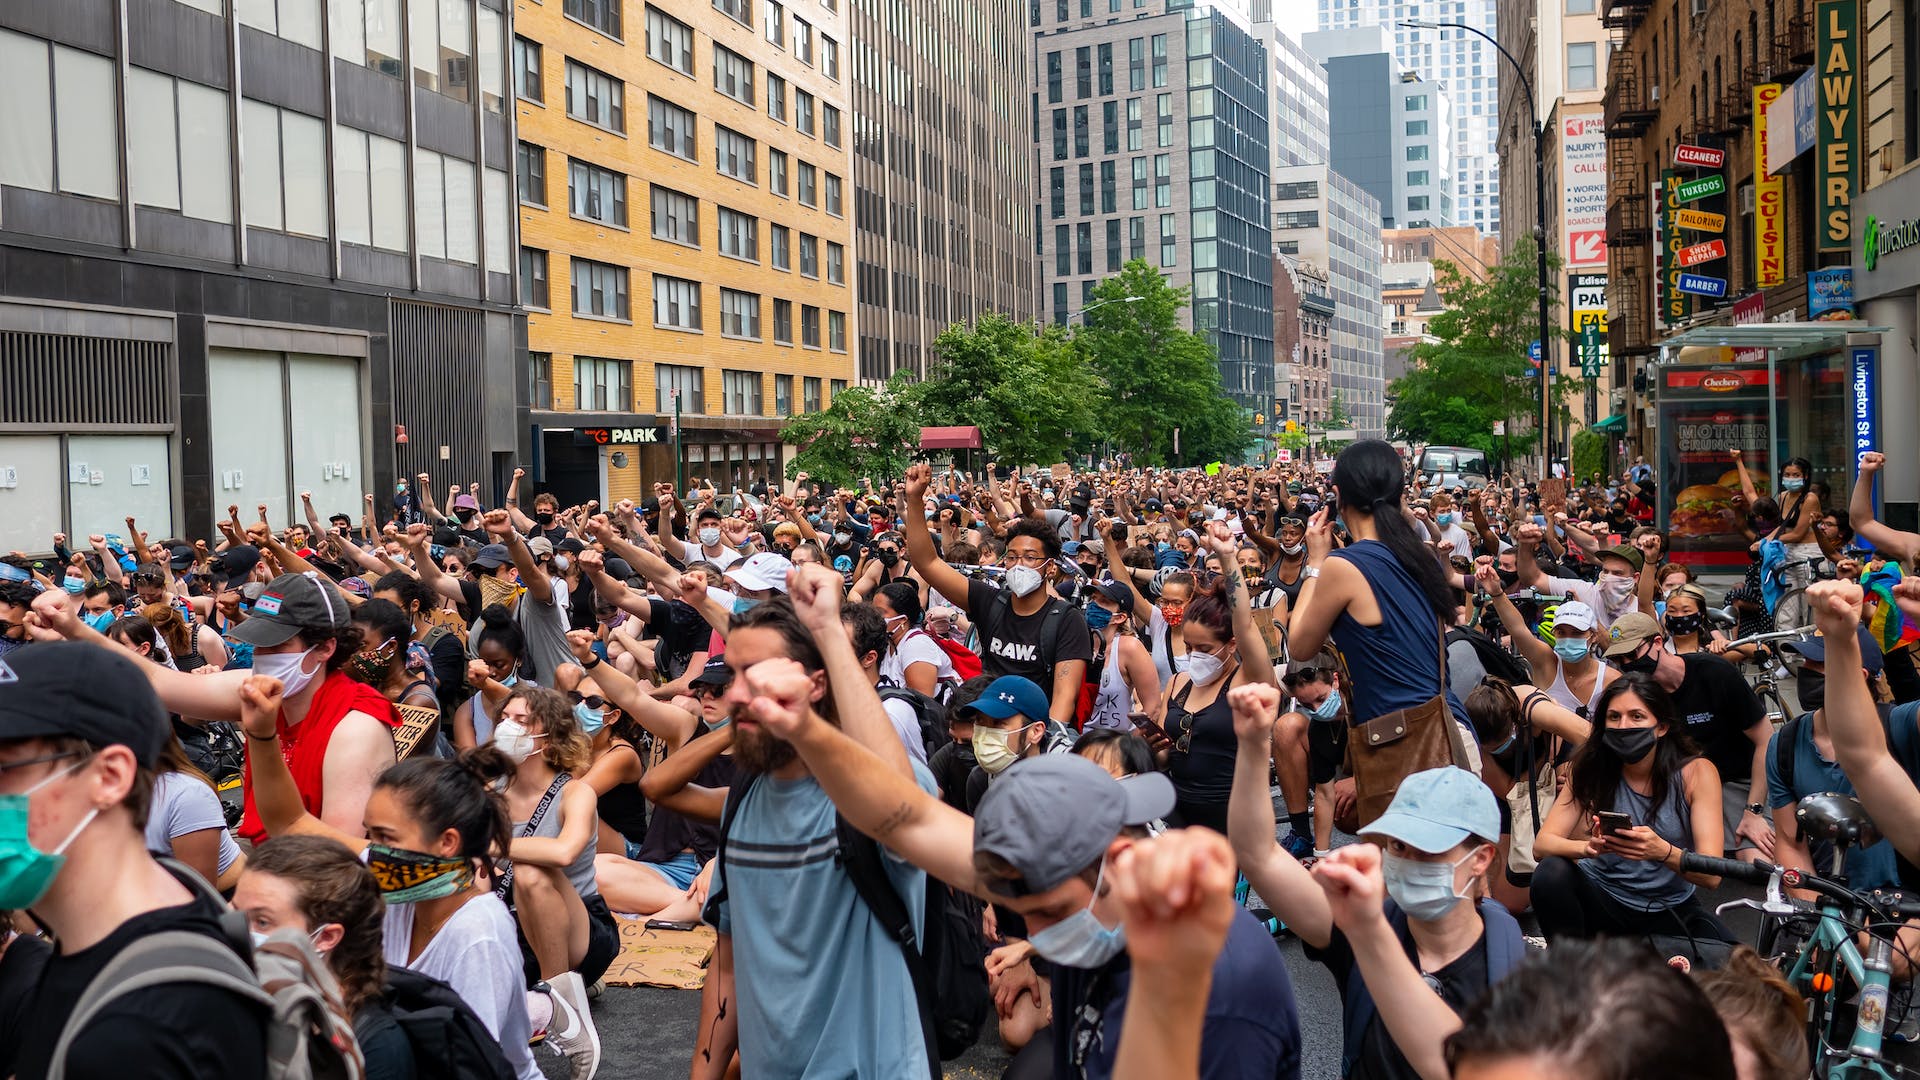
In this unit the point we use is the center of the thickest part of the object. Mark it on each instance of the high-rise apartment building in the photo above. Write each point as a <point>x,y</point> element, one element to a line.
<point>1391,130</point>
<point>1466,65</point>
<point>941,174</point>
<point>1336,224</point>
<point>1297,95</point>
<point>249,250</point>
<point>686,233</point>
<point>1150,142</point>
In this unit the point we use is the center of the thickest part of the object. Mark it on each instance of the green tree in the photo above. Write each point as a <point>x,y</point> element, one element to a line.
<point>1159,377</point>
<point>1475,372</point>
<point>1027,389</point>
<point>863,432</point>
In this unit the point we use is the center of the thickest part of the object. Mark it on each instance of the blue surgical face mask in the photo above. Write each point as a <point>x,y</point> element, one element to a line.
<point>74,586</point>
<point>1328,709</point>
<point>1424,890</point>
<point>1081,940</point>
<point>1443,519</point>
<point>743,604</point>
<point>591,720</point>
<point>1098,617</point>
<point>1792,483</point>
<point>510,680</point>
<point>1572,650</point>
<point>98,620</point>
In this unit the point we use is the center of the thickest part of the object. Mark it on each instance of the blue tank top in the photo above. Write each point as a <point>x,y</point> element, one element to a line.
<point>1636,883</point>
<point>1395,665</point>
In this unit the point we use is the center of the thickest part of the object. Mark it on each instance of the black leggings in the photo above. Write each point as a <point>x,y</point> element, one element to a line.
<point>1187,815</point>
<point>1569,904</point>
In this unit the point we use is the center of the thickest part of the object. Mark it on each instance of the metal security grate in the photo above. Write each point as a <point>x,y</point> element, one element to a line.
<point>67,379</point>
<point>439,390</point>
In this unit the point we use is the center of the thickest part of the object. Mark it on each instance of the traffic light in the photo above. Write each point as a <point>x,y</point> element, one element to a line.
<point>1259,419</point>
<point>1292,426</point>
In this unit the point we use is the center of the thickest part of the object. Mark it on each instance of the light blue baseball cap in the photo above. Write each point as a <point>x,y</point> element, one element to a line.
<point>1436,810</point>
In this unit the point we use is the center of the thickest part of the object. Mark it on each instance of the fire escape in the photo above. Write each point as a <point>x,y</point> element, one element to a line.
<point>1630,108</point>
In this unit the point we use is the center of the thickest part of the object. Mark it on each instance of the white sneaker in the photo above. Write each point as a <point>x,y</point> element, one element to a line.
<point>573,1035</point>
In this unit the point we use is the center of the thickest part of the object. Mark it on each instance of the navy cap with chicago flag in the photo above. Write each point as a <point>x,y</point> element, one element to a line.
<point>68,689</point>
<point>289,604</point>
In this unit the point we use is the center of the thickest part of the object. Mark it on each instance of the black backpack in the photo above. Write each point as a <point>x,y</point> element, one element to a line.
<point>931,713</point>
<point>945,963</point>
<point>449,1042</point>
<point>1495,660</point>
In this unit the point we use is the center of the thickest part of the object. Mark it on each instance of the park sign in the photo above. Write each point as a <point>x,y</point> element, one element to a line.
<point>1700,253</point>
<point>1701,221</point>
<point>1699,157</point>
<point>1837,59</point>
<point>1705,187</point>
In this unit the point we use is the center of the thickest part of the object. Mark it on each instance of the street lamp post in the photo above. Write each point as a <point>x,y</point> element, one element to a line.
<point>1539,231</point>
<point>1104,303</point>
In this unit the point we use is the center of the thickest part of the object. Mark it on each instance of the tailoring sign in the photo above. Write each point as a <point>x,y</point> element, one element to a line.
<point>1700,221</point>
<point>1769,197</point>
<point>1837,59</point>
<point>1583,189</point>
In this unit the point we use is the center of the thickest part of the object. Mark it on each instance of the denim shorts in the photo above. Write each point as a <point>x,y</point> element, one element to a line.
<point>679,870</point>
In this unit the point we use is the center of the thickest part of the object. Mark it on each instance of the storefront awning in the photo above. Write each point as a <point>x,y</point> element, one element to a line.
<point>1790,340</point>
<point>949,438</point>
<point>1612,425</point>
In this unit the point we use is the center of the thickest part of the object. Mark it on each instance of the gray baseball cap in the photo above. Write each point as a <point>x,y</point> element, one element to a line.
<point>1052,816</point>
<point>1436,810</point>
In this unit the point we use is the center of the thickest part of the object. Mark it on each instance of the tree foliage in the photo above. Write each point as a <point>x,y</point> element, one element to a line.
<point>863,432</point>
<point>1159,377</point>
<point>1476,372</point>
<point>1026,389</point>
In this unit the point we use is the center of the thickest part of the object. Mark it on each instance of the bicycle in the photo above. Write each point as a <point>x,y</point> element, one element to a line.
<point>1770,671</point>
<point>1826,965</point>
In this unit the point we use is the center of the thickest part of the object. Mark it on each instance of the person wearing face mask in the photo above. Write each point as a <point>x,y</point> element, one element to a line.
<point>1308,746</point>
<point>1616,592</point>
<point>1123,673</point>
<point>1025,629</point>
<point>16,599</point>
<point>381,660</point>
<point>101,603</point>
<point>1597,878</point>
<point>567,935</point>
<point>1570,670</point>
<point>1010,724</point>
<point>1686,624</point>
<point>315,887</point>
<point>1446,524</point>
<point>707,544</point>
<point>1435,844</point>
<point>1040,844</point>
<point>493,674</point>
<point>914,660</point>
<point>1718,711</point>
<point>338,732</point>
<point>1800,511</point>
<point>1163,620</point>
<point>81,732</point>
<point>883,566</point>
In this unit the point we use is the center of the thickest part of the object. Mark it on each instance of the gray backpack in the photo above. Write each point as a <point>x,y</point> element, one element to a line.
<point>308,1035</point>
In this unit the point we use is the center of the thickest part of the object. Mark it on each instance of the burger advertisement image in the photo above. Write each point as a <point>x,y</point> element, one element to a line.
<point>1705,416</point>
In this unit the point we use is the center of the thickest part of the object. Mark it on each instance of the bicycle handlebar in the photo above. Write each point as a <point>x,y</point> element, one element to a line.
<point>1753,873</point>
<point>1771,635</point>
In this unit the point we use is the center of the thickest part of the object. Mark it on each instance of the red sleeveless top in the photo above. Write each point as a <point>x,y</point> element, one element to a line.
<point>304,746</point>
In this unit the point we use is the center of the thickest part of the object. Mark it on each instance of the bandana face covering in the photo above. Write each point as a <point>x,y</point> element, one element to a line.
<point>494,590</point>
<point>407,877</point>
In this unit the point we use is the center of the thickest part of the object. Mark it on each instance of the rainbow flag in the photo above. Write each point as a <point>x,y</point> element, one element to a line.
<point>1888,626</point>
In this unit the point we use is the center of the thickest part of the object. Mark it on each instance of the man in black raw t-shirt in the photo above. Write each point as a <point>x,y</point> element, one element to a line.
<point>80,730</point>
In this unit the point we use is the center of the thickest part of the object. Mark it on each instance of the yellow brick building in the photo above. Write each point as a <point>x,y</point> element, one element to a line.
<point>686,223</point>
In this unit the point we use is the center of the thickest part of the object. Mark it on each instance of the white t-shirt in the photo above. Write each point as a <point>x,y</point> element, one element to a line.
<point>916,648</point>
<point>692,552</point>
<point>477,952</point>
<point>182,805</point>
<point>906,724</point>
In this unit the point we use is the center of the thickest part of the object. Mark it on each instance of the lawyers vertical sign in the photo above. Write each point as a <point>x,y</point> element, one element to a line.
<point>1837,62</point>
<point>1769,193</point>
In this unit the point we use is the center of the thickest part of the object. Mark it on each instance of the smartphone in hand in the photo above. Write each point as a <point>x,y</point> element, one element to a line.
<point>1611,822</point>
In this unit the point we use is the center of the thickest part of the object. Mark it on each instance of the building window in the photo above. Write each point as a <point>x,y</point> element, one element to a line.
<point>531,162</point>
<point>836,263</point>
<point>689,383</point>
<point>1133,123</point>
<point>1083,243</point>
<point>739,235</point>
<point>284,184</point>
<point>1159,59</point>
<point>1080,133</point>
<point>740,315</point>
<point>1054,93</point>
<point>1416,127</point>
<point>733,154</point>
<point>1060,134</point>
<point>775,18</point>
<point>1105,62</point>
<point>602,15</point>
<point>1417,152</point>
<point>1113,245</point>
<point>740,11</point>
<point>1136,238</point>
<point>1083,72</point>
<point>1086,188</point>
<point>1581,70</point>
<point>669,41</point>
<point>1110,126</point>
<point>676,217</point>
<point>533,278</point>
<point>596,194</point>
<point>742,392</point>
<point>1414,202</point>
<point>1163,180</point>
<point>829,58</point>
<point>803,41</point>
<point>783,395</point>
<point>776,97</point>
<point>1164,104</point>
<point>595,97</point>
<point>809,326</point>
<point>1168,246</point>
<point>365,32</point>
<point>809,255</point>
<point>676,302</point>
<point>1109,195</point>
<point>777,171</point>
<point>177,147</point>
<point>830,125</point>
<point>807,182</point>
<point>1057,191</point>
<point>599,289</point>
<point>602,385</point>
<point>670,128</point>
<point>810,394</point>
<point>1416,103</point>
<point>1062,250</point>
<point>837,332</point>
<point>780,247</point>
<point>1579,7</point>
<point>732,74</point>
<point>833,195</point>
<point>540,380</point>
<point>783,321</point>
<point>1417,178</point>
<point>803,111</point>
<point>526,70</point>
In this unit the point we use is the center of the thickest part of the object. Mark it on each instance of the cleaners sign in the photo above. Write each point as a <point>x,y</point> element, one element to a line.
<point>1701,157</point>
<point>1769,198</point>
<point>1837,60</point>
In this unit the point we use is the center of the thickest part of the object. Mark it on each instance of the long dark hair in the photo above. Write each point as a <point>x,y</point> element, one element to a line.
<point>1371,479</point>
<point>462,794</point>
<point>497,625</point>
<point>332,886</point>
<point>1597,769</point>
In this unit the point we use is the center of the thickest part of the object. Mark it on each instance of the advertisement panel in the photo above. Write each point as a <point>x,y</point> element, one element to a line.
<point>1587,309</point>
<point>1583,188</point>
<point>1705,414</point>
<point>1837,59</point>
<point>1675,305</point>
<point>1769,194</point>
<point>1791,119</point>
<point>1830,293</point>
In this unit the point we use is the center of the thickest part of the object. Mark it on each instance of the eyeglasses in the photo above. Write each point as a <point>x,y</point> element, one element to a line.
<point>61,756</point>
<point>1031,558</point>
<point>151,581</point>
<point>591,701</point>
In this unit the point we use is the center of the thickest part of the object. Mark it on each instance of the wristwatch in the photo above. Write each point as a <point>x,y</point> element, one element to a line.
<point>1758,809</point>
<point>1309,572</point>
